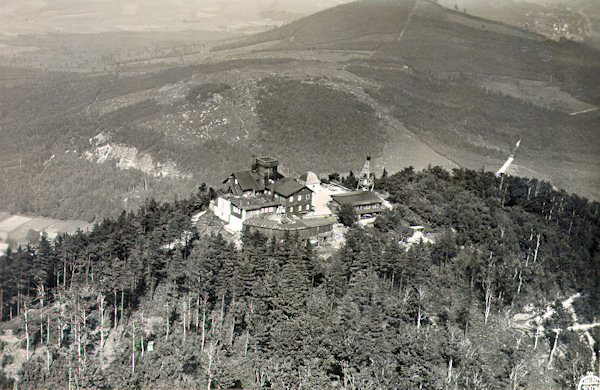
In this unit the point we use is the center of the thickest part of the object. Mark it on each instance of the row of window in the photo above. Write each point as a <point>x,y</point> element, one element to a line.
<point>271,209</point>
<point>264,210</point>
<point>291,198</point>
<point>299,197</point>
<point>299,208</point>
<point>367,206</point>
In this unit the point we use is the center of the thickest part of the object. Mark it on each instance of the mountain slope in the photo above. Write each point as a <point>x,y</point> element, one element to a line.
<point>408,82</point>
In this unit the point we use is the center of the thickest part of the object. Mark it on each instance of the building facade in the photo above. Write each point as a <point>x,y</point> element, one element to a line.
<point>261,190</point>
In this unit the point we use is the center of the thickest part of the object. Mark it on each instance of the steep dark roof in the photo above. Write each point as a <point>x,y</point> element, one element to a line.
<point>357,198</point>
<point>286,187</point>
<point>248,181</point>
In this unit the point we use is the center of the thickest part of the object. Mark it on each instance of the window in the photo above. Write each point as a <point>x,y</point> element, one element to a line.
<point>307,196</point>
<point>276,196</point>
<point>307,207</point>
<point>291,198</point>
<point>299,197</point>
<point>290,209</point>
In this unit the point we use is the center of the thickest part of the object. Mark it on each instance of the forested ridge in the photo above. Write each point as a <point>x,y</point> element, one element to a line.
<point>120,307</point>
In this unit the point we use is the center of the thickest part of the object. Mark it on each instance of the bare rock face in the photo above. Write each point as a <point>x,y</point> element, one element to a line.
<point>127,157</point>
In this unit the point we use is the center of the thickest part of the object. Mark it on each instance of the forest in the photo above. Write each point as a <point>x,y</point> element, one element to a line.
<point>146,300</point>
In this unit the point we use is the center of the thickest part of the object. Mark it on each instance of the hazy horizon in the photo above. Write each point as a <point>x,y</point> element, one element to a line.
<point>92,16</point>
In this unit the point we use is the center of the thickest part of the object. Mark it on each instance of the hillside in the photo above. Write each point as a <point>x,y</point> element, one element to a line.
<point>408,82</point>
<point>500,297</point>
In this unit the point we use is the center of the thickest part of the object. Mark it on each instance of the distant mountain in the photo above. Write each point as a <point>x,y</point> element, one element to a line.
<point>570,19</point>
<point>408,82</point>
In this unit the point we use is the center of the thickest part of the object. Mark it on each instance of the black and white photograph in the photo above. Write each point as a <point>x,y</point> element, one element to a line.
<point>300,194</point>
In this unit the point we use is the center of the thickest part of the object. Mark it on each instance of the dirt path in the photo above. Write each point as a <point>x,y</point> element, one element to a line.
<point>410,14</point>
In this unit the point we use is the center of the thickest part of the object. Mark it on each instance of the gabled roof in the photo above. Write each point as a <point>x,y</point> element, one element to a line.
<point>286,187</point>
<point>357,198</point>
<point>248,181</point>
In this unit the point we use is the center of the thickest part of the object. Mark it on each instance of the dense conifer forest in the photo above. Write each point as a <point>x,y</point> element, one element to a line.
<point>120,307</point>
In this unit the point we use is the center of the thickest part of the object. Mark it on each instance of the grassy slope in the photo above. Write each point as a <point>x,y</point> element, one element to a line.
<point>344,26</point>
<point>441,100</point>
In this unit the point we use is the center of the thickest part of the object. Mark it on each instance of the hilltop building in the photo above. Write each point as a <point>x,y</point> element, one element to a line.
<point>263,199</point>
<point>261,190</point>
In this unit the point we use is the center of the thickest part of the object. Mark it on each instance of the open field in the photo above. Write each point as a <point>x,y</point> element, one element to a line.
<point>22,230</point>
<point>539,93</point>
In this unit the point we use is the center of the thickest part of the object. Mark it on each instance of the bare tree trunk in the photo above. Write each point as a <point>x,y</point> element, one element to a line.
<point>203,322</point>
<point>488,300</point>
<point>48,331</point>
<point>122,298</point>
<point>26,332</point>
<point>537,247</point>
<point>420,298</point>
<point>197,310</point>
<point>553,348</point>
<point>101,301</point>
<point>211,354</point>
<point>167,333</point>
<point>133,347</point>
<point>184,319</point>
<point>189,309</point>
<point>87,269</point>
<point>449,371</point>
<point>115,320</point>
<point>222,309</point>
<point>41,328</point>
<point>59,326</point>
<point>72,277</point>
<point>48,359</point>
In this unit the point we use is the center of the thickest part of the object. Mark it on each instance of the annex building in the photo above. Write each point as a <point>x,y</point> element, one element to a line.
<point>365,203</point>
